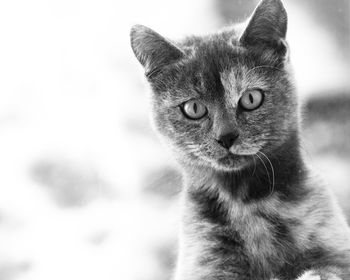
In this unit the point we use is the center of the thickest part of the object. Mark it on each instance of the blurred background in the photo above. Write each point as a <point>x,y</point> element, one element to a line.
<point>87,191</point>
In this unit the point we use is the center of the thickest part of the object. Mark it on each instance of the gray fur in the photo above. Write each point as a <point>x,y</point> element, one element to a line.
<point>255,212</point>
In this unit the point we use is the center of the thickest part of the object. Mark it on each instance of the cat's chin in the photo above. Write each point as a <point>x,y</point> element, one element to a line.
<point>232,162</point>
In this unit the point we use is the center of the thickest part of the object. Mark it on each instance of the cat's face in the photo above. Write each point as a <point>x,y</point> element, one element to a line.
<point>220,100</point>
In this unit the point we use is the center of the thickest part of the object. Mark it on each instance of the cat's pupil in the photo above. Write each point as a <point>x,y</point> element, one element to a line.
<point>251,99</point>
<point>195,108</point>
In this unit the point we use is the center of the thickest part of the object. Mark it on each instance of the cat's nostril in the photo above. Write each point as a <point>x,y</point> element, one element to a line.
<point>228,139</point>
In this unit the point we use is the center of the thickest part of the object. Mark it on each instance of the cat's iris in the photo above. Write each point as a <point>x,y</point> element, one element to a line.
<point>251,99</point>
<point>194,109</point>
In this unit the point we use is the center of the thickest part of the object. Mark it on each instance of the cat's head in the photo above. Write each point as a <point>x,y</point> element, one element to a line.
<point>221,98</point>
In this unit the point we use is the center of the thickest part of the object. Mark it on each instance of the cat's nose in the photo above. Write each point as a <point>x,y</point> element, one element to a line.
<point>228,139</point>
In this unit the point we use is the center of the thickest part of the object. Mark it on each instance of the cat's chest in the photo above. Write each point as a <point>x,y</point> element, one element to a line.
<point>255,228</point>
<point>246,229</point>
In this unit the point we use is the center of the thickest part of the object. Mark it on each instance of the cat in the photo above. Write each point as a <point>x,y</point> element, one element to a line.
<point>227,106</point>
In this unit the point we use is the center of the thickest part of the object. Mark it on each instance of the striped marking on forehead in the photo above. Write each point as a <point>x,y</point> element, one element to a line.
<point>237,80</point>
<point>230,80</point>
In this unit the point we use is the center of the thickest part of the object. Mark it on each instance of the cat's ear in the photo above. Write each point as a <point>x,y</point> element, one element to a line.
<point>152,50</point>
<point>267,25</point>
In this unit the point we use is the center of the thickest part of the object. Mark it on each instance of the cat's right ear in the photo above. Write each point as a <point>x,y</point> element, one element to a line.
<point>152,50</point>
<point>267,25</point>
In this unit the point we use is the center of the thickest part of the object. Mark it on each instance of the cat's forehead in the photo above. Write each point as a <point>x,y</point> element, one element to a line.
<point>215,52</point>
<point>219,67</point>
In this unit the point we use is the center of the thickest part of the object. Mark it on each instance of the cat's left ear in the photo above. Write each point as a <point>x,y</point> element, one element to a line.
<point>267,25</point>
<point>152,50</point>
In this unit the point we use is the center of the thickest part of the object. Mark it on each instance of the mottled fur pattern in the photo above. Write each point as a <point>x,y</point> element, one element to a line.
<point>254,212</point>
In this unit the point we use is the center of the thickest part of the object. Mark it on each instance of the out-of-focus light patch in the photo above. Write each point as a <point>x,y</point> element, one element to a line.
<point>173,19</point>
<point>70,87</point>
<point>63,247</point>
<point>12,270</point>
<point>335,172</point>
<point>318,66</point>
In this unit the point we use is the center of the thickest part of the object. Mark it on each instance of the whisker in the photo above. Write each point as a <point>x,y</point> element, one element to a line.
<point>273,171</point>
<point>267,171</point>
<point>254,165</point>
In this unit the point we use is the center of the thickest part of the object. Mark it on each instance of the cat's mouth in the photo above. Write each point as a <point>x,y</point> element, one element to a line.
<point>233,161</point>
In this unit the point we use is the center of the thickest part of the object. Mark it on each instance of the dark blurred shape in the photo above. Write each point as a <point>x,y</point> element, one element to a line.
<point>327,123</point>
<point>9,271</point>
<point>326,129</point>
<point>99,238</point>
<point>69,184</point>
<point>328,107</point>
<point>165,182</point>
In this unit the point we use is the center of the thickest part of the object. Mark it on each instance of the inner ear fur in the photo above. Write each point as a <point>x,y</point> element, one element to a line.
<point>152,50</point>
<point>267,25</point>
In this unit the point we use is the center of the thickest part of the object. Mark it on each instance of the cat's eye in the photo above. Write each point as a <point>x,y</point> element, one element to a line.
<point>194,109</point>
<point>251,99</point>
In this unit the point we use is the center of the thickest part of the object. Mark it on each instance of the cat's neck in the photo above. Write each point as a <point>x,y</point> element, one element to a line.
<point>280,172</point>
